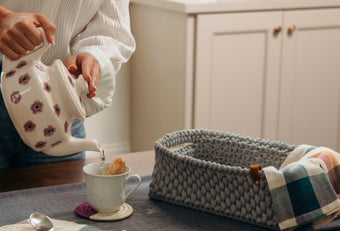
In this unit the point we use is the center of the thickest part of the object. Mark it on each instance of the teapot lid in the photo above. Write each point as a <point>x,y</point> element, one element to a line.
<point>74,89</point>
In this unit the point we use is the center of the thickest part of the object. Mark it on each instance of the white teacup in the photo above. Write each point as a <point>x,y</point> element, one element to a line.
<point>106,193</point>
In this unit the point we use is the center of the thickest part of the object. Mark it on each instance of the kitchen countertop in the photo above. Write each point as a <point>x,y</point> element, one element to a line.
<point>216,6</point>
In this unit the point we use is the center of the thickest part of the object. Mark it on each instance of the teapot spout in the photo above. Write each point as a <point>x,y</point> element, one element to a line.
<point>73,145</point>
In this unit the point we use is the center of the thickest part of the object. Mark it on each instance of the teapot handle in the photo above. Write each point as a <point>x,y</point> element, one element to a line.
<point>35,54</point>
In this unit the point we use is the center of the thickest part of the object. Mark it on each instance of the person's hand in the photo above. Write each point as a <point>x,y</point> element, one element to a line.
<point>87,65</point>
<point>19,33</point>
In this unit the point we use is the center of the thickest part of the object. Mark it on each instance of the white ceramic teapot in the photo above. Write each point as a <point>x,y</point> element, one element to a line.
<point>43,101</point>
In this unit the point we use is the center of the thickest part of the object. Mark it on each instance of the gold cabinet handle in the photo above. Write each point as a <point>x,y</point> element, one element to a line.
<point>291,29</point>
<point>277,30</point>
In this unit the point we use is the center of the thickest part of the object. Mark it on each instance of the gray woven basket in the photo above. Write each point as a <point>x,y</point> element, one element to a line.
<point>209,171</point>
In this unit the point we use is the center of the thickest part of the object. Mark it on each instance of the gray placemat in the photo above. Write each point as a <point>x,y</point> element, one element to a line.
<point>60,201</point>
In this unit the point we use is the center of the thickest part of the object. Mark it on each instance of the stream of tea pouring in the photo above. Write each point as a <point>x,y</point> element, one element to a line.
<point>102,159</point>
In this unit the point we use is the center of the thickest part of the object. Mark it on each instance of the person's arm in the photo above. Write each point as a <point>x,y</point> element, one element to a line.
<point>19,33</point>
<point>109,40</point>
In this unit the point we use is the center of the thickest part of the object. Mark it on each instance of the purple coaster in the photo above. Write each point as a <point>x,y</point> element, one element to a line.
<point>85,210</point>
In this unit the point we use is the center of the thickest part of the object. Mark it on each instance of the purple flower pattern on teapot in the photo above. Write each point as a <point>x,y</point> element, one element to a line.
<point>10,73</point>
<point>65,126</point>
<point>16,97</point>
<point>40,144</point>
<point>24,79</point>
<point>37,106</point>
<point>70,80</point>
<point>56,143</point>
<point>56,109</point>
<point>43,101</point>
<point>21,64</point>
<point>49,131</point>
<point>40,67</point>
<point>29,126</point>
<point>47,87</point>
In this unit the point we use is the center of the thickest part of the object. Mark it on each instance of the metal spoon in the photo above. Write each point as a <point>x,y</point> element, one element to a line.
<point>41,222</point>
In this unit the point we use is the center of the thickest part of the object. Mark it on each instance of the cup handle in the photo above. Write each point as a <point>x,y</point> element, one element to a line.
<point>134,189</point>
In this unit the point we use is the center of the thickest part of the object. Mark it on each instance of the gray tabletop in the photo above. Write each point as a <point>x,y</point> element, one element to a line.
<point>60,201</point>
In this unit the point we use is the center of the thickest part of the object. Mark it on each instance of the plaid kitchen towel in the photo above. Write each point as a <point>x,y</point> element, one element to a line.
<point>305,189</point>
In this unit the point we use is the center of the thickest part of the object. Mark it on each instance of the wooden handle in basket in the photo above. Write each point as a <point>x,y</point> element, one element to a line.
<point>255,173</point>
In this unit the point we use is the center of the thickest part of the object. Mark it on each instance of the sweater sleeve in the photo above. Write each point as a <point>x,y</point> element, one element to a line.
<point>109,39</point>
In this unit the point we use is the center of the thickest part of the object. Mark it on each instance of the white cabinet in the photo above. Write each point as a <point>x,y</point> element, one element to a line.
<point>272,74</point>
<point>237,72</point>
<point>310,79</point>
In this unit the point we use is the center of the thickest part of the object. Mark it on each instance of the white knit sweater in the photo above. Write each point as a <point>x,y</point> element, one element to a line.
<point>98,27</point>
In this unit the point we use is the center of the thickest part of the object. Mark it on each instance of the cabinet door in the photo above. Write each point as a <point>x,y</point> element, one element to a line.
<point>237,73</point>
<point>310,87</point>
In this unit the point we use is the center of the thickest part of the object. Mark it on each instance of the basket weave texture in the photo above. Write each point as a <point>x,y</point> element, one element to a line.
<point>209,171</point>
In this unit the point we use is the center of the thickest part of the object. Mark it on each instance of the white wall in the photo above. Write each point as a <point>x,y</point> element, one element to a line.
<point>110,127</point>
